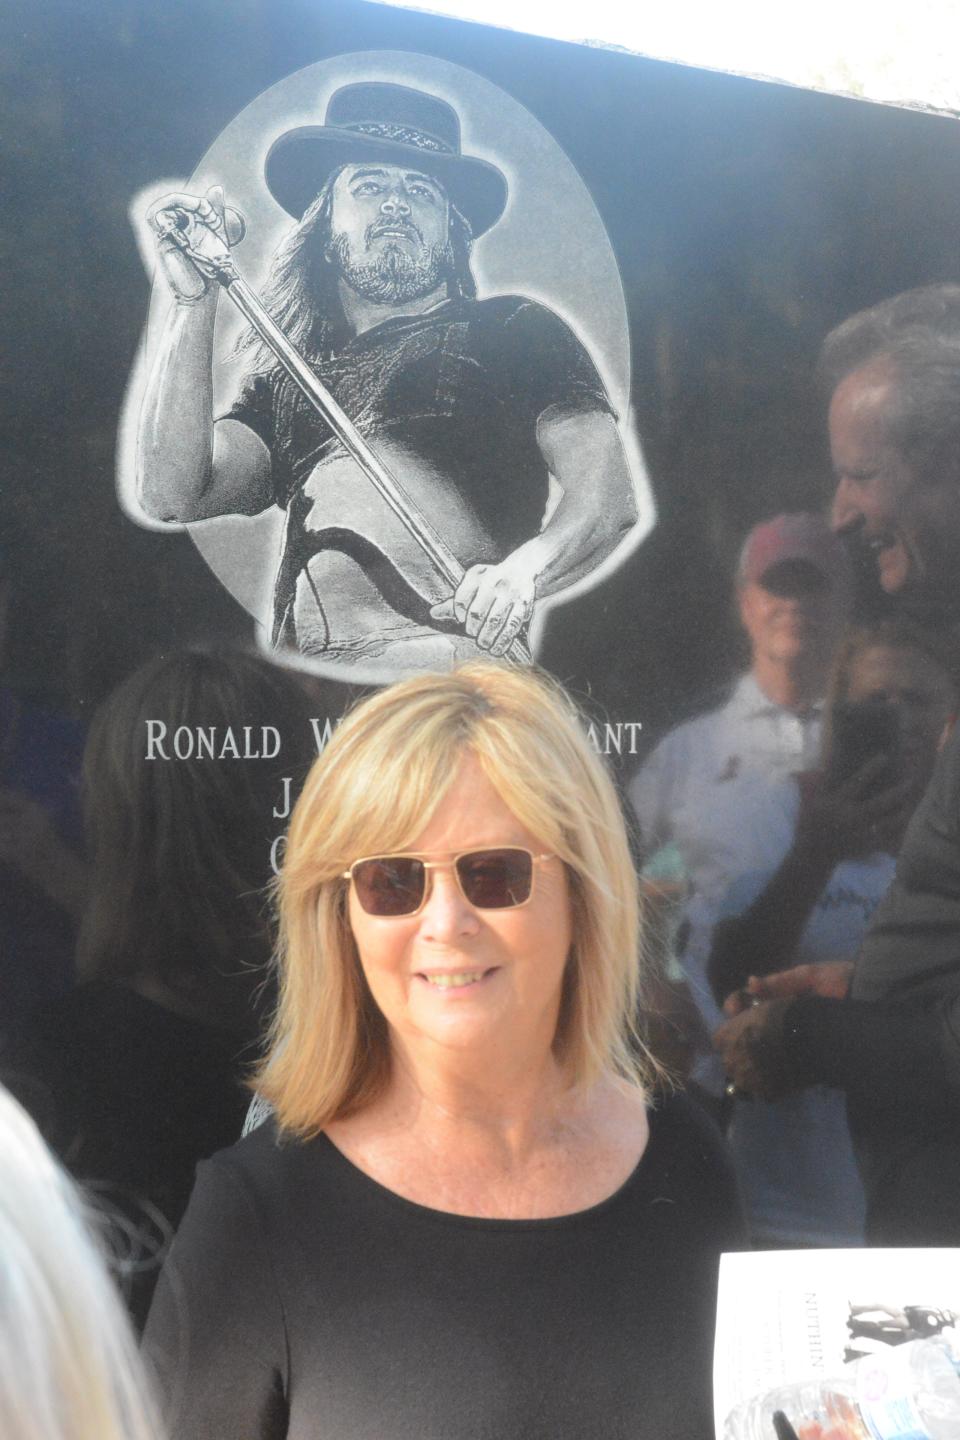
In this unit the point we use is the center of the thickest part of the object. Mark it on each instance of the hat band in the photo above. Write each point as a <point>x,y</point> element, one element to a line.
<point>402,134</point>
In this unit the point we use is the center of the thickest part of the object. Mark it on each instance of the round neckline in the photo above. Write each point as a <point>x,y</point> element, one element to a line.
<point>496,1222</point>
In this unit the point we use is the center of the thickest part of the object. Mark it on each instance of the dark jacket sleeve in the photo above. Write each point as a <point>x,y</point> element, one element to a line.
<point>897,1056</point>
<point>215,1337</point>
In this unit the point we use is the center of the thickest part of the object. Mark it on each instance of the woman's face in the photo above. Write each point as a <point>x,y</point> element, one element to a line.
<point>453,977</point>
<point>920,691</point>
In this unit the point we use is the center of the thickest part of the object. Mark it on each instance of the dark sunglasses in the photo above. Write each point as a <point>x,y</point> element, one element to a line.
<point>489,879</point>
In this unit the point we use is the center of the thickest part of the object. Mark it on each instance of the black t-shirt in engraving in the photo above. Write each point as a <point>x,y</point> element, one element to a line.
<point>460,389</point>
<point>304,1300</point>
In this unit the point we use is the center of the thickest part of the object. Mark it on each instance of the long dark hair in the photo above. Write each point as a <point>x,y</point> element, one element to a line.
<point>301,290</point>
<point>180,847</point>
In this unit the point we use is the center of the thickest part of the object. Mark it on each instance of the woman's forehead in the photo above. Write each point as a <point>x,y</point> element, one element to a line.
<point>471,813</point>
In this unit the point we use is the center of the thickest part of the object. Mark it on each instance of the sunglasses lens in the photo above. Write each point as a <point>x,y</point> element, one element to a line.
<point>496,879</point>
<point>390,884</point>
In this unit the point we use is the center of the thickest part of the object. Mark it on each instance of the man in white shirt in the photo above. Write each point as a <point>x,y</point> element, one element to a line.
<point>702,789</point>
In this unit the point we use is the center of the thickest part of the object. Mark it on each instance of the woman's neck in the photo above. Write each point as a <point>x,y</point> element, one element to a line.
<point>527,1146</point>
<point>455,1105</point>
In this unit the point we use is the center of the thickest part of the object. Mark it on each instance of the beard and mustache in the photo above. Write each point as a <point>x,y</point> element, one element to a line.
<point>394,276</point>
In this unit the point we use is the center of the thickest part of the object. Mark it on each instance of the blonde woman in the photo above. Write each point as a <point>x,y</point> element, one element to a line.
<point>69,1368</point>
<point>466,1217</point>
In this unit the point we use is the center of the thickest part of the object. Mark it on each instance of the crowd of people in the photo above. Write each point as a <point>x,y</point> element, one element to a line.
<point>819,859</point>
<point>478,1204</point>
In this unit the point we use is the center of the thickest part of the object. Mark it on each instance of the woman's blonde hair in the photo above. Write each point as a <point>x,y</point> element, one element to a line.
<point>69,1368</point>
<point>374,788</point>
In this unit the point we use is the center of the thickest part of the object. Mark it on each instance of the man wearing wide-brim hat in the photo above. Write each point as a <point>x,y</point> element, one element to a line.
<point>471,404</point>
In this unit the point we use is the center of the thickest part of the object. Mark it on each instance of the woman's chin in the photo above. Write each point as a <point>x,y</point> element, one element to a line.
<point>469,1013</point>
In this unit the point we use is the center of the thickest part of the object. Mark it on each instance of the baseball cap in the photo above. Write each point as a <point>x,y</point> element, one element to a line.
<point>803,535</point>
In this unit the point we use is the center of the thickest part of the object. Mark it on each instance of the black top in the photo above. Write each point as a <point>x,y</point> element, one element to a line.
<point>303,1299</point>
<point>131,1096</point>
<point>40,758</point>
<point>895,1045</point>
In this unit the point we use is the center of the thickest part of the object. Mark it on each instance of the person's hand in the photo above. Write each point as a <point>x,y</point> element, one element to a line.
<point>207,227</point>
<point>854,817</point>
<point>813,1430</point>
<point>738,1001</point>
<point>829,979</point>
<point>751,1048</point>
<point>493,603</point>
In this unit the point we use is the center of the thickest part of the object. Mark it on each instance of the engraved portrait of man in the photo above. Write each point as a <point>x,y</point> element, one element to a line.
<point>503,453</point>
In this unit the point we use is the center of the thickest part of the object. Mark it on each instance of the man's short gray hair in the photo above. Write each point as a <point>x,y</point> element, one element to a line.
<point>918,334</point>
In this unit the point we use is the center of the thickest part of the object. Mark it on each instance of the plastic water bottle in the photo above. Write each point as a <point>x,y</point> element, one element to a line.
<point>904,1392</point>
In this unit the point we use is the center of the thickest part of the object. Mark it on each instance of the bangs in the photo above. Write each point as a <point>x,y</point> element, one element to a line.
<point>394,760</point>
<point>357,804</point>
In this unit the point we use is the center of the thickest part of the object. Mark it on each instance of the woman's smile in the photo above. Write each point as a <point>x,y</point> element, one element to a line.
<point>455,979</point>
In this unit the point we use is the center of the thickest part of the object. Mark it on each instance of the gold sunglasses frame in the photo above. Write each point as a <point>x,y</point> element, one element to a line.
<point>449,864</point>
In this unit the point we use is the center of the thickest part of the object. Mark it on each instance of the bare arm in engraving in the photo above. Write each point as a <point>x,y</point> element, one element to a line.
<point>188,468</point>
<point>584,453</point>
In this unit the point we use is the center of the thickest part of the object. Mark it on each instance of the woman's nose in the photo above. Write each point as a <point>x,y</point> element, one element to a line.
<point>446,912</point>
